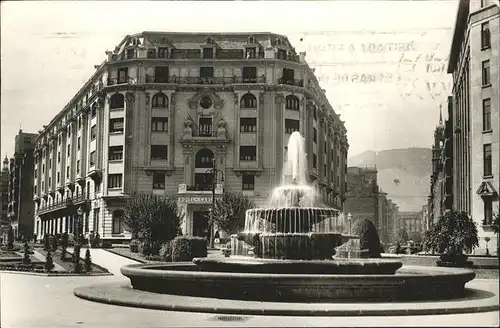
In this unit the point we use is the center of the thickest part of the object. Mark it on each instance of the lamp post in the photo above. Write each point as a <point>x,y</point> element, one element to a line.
<point>349,218</point>
<point>214,175</point>
<point>79,213</point>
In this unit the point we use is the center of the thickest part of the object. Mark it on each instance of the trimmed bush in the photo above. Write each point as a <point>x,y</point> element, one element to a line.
<point>87,261</point>
<point>46,242</point>
<point>166,251</point>
<point>10,238</point>
<point>134,246</point>
<point>187,248</point>
<point>26,258</point>
<point>49,263</point>
<point>53,242</point>
<point>368,237</point>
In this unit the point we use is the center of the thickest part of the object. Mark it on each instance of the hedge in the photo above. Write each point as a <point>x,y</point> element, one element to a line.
<point>186,248</point>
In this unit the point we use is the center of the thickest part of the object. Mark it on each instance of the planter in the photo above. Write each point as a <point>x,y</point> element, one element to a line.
<point>454,260</point>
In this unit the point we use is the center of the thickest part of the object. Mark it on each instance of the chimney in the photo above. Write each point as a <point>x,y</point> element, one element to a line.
<point>302,57</point>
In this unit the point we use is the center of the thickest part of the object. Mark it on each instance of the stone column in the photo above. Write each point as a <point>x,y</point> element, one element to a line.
<point>279,101</point>
<point>171,131</point>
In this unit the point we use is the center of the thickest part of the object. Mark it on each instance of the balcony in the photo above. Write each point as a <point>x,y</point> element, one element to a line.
<point>217,80</point>
<point>294,82</point>
<point>199,189</point>
<point>63,204</point>
<point>121,80</point>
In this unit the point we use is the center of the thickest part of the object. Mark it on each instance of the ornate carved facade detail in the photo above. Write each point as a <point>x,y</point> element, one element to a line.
<point>261,98</point>
<point>279,98</point>
<point>130,98</point>
<point>217,101</point>
<point>188,129</point>
<point>221,129</point>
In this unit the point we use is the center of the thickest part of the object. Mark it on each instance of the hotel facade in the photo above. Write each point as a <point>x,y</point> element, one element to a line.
<point>474,63</point>
<point>161,107</point>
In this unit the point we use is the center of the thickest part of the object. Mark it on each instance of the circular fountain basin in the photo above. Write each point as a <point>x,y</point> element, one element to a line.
<point>258,265</point>
<point>188,279</point>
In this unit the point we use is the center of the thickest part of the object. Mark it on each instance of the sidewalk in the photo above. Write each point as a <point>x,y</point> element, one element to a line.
<point>40,257</point>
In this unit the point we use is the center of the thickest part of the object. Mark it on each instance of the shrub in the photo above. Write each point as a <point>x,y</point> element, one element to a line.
<point>134,246</point>
<point>368,237</point>
<point>96,241</point>
<point>26,258</point>
<point>10,238</point>
<point>49,263</point>
<point>187,248</point>
<point>454,233</point>
<point>53,243</point>
<point>46,243</point>
<point>106,244</point>
<point>87,261</point>
<point>166,251</point>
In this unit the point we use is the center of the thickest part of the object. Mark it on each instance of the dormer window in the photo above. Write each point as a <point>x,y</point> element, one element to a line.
<point>208,53</point>
<point>209,40</point>
<point>130,53</point>
<point>162,52</point>
<point>251,53</point>
<point>251,40</point>
<point>151,53</point>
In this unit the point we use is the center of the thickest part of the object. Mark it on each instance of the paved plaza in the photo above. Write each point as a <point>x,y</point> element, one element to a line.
<point>39,301</point>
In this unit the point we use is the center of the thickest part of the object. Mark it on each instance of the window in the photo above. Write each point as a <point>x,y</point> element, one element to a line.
<point>79,122</point>
<point>159,124</point>
<point>158,180</point>
<point>288,74</point>
<point>151,53</point>
<point>292,102</point>
<point>67,172</point>
<point>249,74</point>
<point>487,114</point>
<point>92,159</point>
<point>281,54</point>
<point>94,110</point>
<point>208,53</point>
<point>116,125</point>
<point>78,143</point>
<point>93,132</point>
<point>58,157</point>
<point>248,124</point>
<point>251,53</point>
<point>248,101</point>
<point>205,127</point>
<point>315,161</point>
<point>291,125</point>
<point>248,153</point>
<point>159,100</point>
<point>161,74</point>
<point>130,53</point>
<point>315,113</point>
<point>487,170</point>
<point>162,52</point>
<point>78,167</point>
<point>315,135</point>
<point>123,75</point>
<point>115,153</point>
<point>486,72</point>
<point>36,170</point>
<point>116,101</point>
<point>159,152</point>
<point>114,181</point>
<point>203,158</point>
<point>248,182</point>
<point>206,72</point>
<point>117,219</point>
<point>488,211</point>
<point>485,35</point>
<point>50,182</point>
<point>58,177</point>
<point>68,152</point>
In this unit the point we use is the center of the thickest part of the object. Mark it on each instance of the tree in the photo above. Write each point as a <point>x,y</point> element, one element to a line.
<point>454,233</point>
<point>88,261</point>
<point>154,217</point>
<point>10,238</point>
<point>229,211</point>
<point>496,228</point>
<point>26,257</point>
<point>416,237</point>
<point>368,237</point>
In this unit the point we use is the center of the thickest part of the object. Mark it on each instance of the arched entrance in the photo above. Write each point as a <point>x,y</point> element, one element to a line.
<point>202,163</point>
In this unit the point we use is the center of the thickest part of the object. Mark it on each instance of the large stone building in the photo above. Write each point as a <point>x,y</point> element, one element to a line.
<point>411,222</point>
<point>474,63</point>
<point>441,187</point>
<point>363,194</point>
<point>162,106</point>
<point>21,208</point>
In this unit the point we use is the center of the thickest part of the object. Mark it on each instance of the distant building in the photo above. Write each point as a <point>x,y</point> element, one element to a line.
<point>474,61</point>
<point>411,222</point>
<point>4,198</point>
<point>392,219</point>
<point>441,189</point>
<point>425,218</point>
<point>363,194</point>
<point>21,207</point>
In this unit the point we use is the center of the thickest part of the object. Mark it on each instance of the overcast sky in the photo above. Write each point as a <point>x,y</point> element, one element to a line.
<point>372,57</point>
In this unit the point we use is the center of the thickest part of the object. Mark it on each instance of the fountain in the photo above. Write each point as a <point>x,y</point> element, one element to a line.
<point>286,254</point>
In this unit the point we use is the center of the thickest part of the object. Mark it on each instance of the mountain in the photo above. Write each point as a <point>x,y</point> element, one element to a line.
<point>404,174</point>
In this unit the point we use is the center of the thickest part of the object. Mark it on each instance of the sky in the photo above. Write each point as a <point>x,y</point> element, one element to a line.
<point>382,63</point>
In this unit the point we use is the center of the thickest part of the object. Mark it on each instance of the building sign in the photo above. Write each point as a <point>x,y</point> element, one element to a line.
<point>195,199</point>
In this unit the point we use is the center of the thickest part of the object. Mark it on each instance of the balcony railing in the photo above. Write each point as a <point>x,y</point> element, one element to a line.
<point>67,202</point>
<point>199,187</point>
<point>120,80</point>
<point>216,80</point>
<point>298,83</point>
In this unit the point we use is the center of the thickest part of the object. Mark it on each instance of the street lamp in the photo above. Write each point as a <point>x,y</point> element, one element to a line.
<point>214,175</point>
<point>79,213</point>
<point>349,218</point>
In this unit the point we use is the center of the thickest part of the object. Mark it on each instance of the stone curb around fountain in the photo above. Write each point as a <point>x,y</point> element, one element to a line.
<point>483,298</point>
